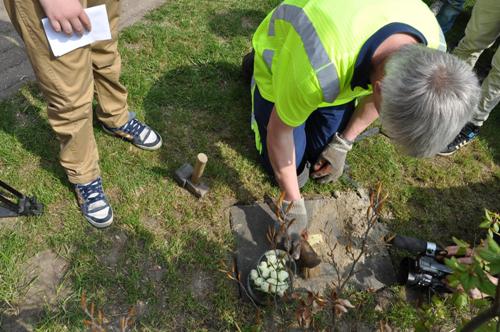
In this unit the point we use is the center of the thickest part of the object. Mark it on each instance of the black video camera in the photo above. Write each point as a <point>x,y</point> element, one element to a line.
<point>423,271</point>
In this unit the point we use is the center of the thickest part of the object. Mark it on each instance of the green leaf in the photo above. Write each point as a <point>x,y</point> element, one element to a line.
<point>468,281</point>
<point>487,254</point>
<point>454,264</point>
<point>493,245</point>
<point>487,214</point>
<point>485,224</point>
<point>495,266</point>
<point>460,243</point>
<point>453,280</point>
<point>461,251</point>
<point>496,227</point>
<point>487,287</point>
<point>460,300</point>
<point>436,300</point>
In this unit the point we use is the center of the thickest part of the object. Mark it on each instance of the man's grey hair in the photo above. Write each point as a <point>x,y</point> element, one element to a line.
<point>427,98</point>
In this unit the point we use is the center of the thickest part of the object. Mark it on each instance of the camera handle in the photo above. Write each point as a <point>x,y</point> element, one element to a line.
<point>416,246</point>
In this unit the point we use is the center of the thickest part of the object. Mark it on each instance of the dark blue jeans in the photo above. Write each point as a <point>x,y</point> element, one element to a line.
<point>448,13</point>
<point>311,137</point>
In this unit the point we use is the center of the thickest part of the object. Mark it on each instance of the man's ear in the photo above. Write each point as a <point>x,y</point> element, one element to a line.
<point>377,94</point>
<point>377,87</point>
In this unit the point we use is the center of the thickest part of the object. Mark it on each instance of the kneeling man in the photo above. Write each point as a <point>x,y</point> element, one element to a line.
<point>324,70</point>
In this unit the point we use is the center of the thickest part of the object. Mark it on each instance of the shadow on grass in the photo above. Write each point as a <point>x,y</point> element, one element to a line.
<point>437,214</point>
<point>172,284</point>
<point>170,280</point>
<point>21,119</point>
<point>236,22</point>
<point>205,108</point>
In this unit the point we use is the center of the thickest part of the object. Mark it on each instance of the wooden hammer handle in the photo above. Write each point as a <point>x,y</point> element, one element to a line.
<point>199,167</point>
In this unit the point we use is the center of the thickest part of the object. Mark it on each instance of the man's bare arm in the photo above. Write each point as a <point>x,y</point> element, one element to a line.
<point>281,148</point>
<point>362,118</point>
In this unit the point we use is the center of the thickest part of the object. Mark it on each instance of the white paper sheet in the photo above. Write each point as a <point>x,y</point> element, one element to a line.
<point>60,43</point>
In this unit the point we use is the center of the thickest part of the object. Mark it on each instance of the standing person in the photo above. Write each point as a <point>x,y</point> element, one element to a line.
<point>446,12</point>
<point>481,33</point>
<point>69,83</point>
<point>315,58</point>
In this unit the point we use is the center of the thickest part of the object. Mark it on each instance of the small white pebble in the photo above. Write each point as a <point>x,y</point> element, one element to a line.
<point>264,286</point>
<point>273,285</point>
<point>254,274</point>
<point>264,272</point>
<point>258,281</point>
<point>271,259</point>
<point>282,275</point>
<point>272,281</point>
<point>282,288</point>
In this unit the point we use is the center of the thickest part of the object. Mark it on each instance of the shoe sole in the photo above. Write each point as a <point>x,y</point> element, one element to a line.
<point>447,154</point>
<point>147,148</point>
<point>101,224</point>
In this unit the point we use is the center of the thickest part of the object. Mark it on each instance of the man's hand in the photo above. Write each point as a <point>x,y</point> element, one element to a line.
<point>331,162</point>
<point>66,15</point>
<point>297,228</point>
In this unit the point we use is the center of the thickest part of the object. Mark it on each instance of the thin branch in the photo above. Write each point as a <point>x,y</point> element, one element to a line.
<point>372,217</point>
<point>485,316</point>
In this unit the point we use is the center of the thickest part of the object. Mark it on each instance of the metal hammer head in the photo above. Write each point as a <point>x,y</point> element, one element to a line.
<point>188,177</point>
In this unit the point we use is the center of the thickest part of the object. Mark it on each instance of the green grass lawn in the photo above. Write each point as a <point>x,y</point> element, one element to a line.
<point>182,67</point>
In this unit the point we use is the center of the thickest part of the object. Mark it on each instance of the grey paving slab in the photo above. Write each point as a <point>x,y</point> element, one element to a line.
<point>15,69</point>
<point>332,221</point>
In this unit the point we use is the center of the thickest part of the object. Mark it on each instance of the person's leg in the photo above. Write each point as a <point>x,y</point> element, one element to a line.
<point>67,85</point>
<point>106,64</point>
<point>112,111</point>
<point>260,118</point>
<point>448,13</point>
<point>481,31</point>
<point>322,125</point>
<point>490,92</point>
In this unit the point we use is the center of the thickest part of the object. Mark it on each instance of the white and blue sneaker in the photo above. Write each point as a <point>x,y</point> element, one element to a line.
<point>93,203</point>
<point>468,133</point>
<point>136,132</point>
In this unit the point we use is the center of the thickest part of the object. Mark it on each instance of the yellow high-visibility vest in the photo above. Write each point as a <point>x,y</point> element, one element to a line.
<point>306,50</point>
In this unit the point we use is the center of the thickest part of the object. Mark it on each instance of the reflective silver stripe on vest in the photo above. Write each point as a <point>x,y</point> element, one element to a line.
<point>442,41</point>
<point>326,72</point>
<point>268,58</point>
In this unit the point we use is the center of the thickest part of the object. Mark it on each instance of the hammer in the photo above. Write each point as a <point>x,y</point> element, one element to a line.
<point>189,178</point>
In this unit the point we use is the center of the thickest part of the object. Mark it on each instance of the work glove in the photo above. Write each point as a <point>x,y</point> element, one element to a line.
<point>291,240</point>
<point>331,162</point>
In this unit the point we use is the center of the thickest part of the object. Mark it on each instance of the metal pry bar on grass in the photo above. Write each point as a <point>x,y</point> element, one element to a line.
<point>189,177</point>
<point>22,206</point>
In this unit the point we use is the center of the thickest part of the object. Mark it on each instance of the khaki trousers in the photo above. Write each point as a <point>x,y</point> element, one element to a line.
<point>69,83</point>
<point>481,32</point>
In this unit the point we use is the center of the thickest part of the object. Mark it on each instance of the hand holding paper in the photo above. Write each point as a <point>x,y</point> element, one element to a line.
<point>66,15</point>
<point>60,43</point>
